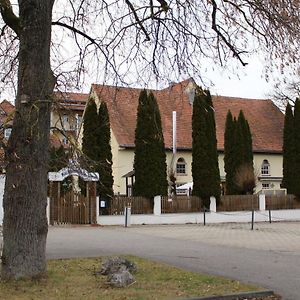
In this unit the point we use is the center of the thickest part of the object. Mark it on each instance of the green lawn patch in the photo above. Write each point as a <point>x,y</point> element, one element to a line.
<point>75,279</point>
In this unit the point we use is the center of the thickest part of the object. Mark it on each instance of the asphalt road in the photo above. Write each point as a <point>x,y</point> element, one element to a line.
<point>269,256</point>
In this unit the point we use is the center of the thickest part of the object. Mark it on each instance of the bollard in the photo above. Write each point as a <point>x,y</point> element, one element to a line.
<point>127,214</point>
<point>270,218</point>
<point>204,218</point>
<point>252,223</point>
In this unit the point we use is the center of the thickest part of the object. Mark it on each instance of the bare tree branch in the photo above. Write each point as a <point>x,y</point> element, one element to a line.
<point>225,40</point>
<point>9,17</point>
<point>139,22</point>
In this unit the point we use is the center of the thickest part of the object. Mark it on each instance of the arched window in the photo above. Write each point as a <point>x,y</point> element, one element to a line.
<point>181,166</point>
<point>265,168</point>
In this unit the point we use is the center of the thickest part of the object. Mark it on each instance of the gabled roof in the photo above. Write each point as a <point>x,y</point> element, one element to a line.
<point>71,101</point>
<point>265,119</point>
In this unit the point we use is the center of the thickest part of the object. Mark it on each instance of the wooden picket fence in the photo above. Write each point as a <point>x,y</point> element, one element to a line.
<point>238,203</point>
<point>189,204</point>
<point>139,205</point>
<point>282,202</point>
<point>181,204</point>
<point>72,208</point>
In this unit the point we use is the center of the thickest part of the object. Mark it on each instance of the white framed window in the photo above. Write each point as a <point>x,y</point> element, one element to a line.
<point>265,168</point>
<point>79,120</point>
<point>65,140</point>
<point>65,120</point>
<point>265,185</point>
<point>129,190</point>
<point>180,192</point>
<point>7,133</point>
<point>181,166</point>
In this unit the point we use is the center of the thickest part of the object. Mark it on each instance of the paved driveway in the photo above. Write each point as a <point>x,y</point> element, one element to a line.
<point>268,256</point>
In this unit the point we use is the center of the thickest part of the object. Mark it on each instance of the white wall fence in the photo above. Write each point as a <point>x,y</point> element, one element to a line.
<point>262,215</point>
<point>196,218</point>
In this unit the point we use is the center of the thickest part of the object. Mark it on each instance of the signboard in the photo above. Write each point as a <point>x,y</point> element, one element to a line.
<point>73,171</point>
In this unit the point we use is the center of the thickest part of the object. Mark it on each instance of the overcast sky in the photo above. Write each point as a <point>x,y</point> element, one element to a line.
<point>249,83</point>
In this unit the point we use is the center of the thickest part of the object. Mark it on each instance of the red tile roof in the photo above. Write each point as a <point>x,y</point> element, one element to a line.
<point>265,119</point>
<point>6,113</point>
<point>6,106</point>
<point>71,101</point>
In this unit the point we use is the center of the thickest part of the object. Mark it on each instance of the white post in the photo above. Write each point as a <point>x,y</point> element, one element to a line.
<point>213,204</point>
<point>48,210</point>
<point>2,184</point>
<point>127,214</point>
<point>97,210</point>
<point>174,131</point>
<point>262,201</point>
<point>157,206</point>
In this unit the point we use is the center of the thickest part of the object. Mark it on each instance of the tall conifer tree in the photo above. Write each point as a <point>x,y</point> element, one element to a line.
<point>296,168</point>
<point>288,150</point>
<point>205,169</point>
<point>96,147</point>
<point>229,156</point>
<point>244,177</point>
<point>89,140</point>
<point>238,156</point>
<point>246,139</point>
<point>150,157</point>
<point>104,159</point>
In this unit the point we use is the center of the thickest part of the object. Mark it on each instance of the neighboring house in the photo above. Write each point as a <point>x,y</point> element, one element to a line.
<point>6,117</point>
<point>66,116</point>
<point>265,120</point>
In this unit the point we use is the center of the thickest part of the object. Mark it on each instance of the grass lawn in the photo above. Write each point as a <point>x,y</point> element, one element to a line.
<point>75,279</point>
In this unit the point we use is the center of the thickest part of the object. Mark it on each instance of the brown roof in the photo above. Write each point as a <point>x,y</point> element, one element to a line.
<point>265,119</point>
<point>71,101</point>
<point>7,107</point>
<point>6,112</point>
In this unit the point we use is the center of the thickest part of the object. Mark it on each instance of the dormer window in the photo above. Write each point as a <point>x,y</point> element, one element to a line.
<point>265,168</point>
<point>181,166</point>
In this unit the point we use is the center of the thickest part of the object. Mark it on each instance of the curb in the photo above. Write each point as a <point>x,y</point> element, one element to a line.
<point>239,296</point>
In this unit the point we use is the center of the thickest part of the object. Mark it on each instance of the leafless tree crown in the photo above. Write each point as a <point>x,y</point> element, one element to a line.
<point>122,40</point>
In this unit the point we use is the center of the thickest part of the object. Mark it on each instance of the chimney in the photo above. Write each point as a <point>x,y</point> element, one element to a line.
<point>190,90</point>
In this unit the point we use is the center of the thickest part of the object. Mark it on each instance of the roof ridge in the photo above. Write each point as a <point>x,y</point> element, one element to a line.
<point>242,98</point>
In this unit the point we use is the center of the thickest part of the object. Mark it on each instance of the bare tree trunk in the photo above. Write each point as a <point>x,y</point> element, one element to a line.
<point>25,225</point>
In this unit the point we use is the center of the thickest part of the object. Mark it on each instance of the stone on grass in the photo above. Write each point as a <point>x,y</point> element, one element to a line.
<point>120,279</point>
<point>118,271</point>
<point>114,264</point>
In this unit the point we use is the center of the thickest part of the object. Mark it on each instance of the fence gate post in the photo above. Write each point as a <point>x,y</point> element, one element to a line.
<point>157,206</point>
<point>213,204</point>
<point>48,210</point>
<point>262,201</point>
<point>97,209</point>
